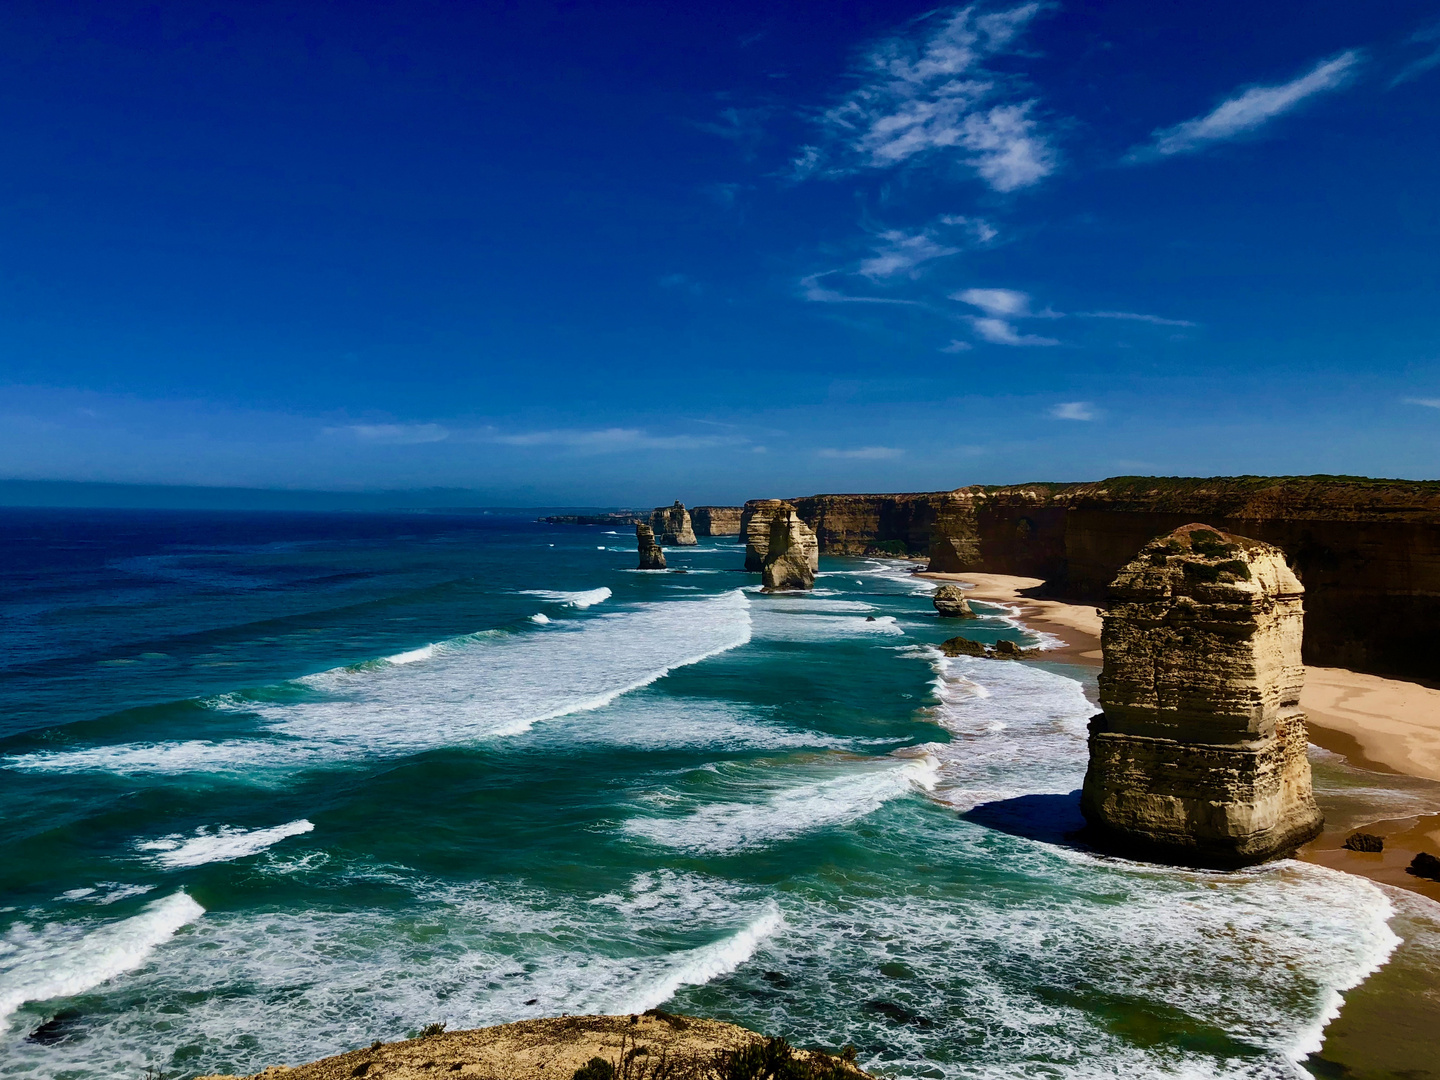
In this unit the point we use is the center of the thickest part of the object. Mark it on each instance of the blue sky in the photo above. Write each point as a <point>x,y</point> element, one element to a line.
<point>615,253</point>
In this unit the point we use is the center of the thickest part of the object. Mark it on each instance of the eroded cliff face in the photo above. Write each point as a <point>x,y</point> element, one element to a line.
<point>1199,754</point>
<point>716,520</point>
<point>1368,551</point>
<point>755,529</point>
<point>792,554</point>
<point>672,525</point>
<point>651,556</point>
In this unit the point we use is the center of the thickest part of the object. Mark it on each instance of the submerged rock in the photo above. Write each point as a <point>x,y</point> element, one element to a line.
<point>1424,865</point>
<point>792,554</point>
<point>950,602</point>
<point>1364,841</point>
<point>651,557</point>
<point>962,646</point>
<point>672,525</point>
<point>1200,753</point>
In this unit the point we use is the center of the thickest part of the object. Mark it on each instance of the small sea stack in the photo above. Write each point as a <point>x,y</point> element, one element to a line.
<point>950,602</point>
<point>651,555</point>
<point>672,525</point>
<point>792,554</point>
<point>1199,756</point>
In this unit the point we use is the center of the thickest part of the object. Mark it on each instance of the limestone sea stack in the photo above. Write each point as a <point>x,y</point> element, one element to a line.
<point>755,530</point>
<point>792,554</point>
<point>950,602</point>
<point>672,525</point>
<point>1199,754</point>
<point>651,557</point>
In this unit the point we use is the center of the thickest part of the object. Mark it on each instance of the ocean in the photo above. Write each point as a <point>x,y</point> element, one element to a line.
<point>276,785</point>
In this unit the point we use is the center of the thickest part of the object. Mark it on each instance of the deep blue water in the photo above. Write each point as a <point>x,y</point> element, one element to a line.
<point>276,785</point>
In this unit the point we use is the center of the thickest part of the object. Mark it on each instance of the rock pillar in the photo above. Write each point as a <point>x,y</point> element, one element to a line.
<point>1200,753</point>
<point>651,557</point>
<point>672,525</point>
<point>792,553</point>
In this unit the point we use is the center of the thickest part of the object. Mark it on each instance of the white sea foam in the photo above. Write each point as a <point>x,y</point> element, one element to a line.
<point>105,892</point>
<point>478,687</point>
<point>763,818</point>
<point>584,599</point>
<point>414,656</point>
<point>224,843</point>
<point>61,960</point>
<point>540,617</point>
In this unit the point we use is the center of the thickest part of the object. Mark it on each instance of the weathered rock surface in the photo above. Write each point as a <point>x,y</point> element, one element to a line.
<point>962,646</point>
<point>716,520</point>
<point>1364,841</point>
<point>651,556</point>
<point>950,602</point>
<point>755,530</point>
<point>672,525</point>
<point>1367,551</point>
<point>1424,865</point>
<point>791,556</point>
<point>664,1047</point>
<point>1199,755</point>
<point>1001,650</point>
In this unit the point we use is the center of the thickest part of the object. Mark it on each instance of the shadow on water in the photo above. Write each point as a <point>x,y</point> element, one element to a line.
<point>1051,819</point>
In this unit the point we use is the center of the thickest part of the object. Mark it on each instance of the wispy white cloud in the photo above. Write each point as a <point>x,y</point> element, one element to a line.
<point>928,91</point>
<point>1000,332</point>
<point>1428,35</point>
<point>1248,111</point>
<point>863,453</point>
<point>811,289</point>
<point>608,440</point>
<point>391,434</point>
<point>1074,410</point>
<point>956,346</point>
<point>900,252</point>
<point>1007,302</point>
<point>1428,402</point>
<point>1134,316</point>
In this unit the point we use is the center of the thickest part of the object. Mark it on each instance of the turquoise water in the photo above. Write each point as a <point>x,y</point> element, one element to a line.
<point>274,787</point>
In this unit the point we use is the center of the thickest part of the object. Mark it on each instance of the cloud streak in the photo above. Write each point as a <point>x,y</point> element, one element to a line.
<point>391,434</point>
<point>864,453</point>
<point>928,93</point>
<point>1247,111</point>
<point>1074,410</point>
<point>1134,316</point>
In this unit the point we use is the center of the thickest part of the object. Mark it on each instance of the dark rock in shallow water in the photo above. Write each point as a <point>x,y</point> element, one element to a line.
<point>1008,650</point>
<point>950,602</point>
<point>778,979</point>
<point>58,1028</point>
<point>898,1013</point>
<point>1425,865</point>
<point>961,646</point>
<point>1364,841</point>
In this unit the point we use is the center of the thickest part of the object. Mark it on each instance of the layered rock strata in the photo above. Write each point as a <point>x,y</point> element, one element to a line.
<point>672,525</point>
<point>755,528</point>
<point>792,554</point>
<point>1199,755</point>
<point>950,602</point>
<point>1368,551</point>
<point>716,520</point>
<point>651,556</point>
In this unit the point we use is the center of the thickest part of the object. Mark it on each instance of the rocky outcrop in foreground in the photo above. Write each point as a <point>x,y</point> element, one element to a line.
<point>1199,755</point>
<point>950,602</point>
<point>651,556</point>
<point>672,525</point>
<point>716,520</point>
<point>654,1046</point>
<point>791,554</point>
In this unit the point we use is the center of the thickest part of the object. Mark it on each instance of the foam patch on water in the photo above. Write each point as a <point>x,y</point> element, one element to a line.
<point>61,960</point>
<point>541,618</point>
<point>474,955</point>
<point>584,599</point>
<point>105,892</point>
<point>482,686</point>
<point>224,843</point>
<point>778,624</point>
<point>763,818</point>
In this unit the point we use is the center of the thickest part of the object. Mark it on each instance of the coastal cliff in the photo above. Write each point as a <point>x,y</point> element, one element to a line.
<point>1199,755</point>
<point>791,555</point>
<point>1367,551</point>
<point>716,520</point>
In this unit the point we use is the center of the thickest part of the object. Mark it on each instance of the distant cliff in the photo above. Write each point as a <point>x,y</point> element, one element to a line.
<point>1367,551</point>
<point>716,520</point>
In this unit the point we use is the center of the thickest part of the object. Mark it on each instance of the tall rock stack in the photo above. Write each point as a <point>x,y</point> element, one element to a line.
<point>672,525</point>
<point>651,557</point>
<point>1199,755</point>
<point>755,530</point>
<point>792,554</point>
